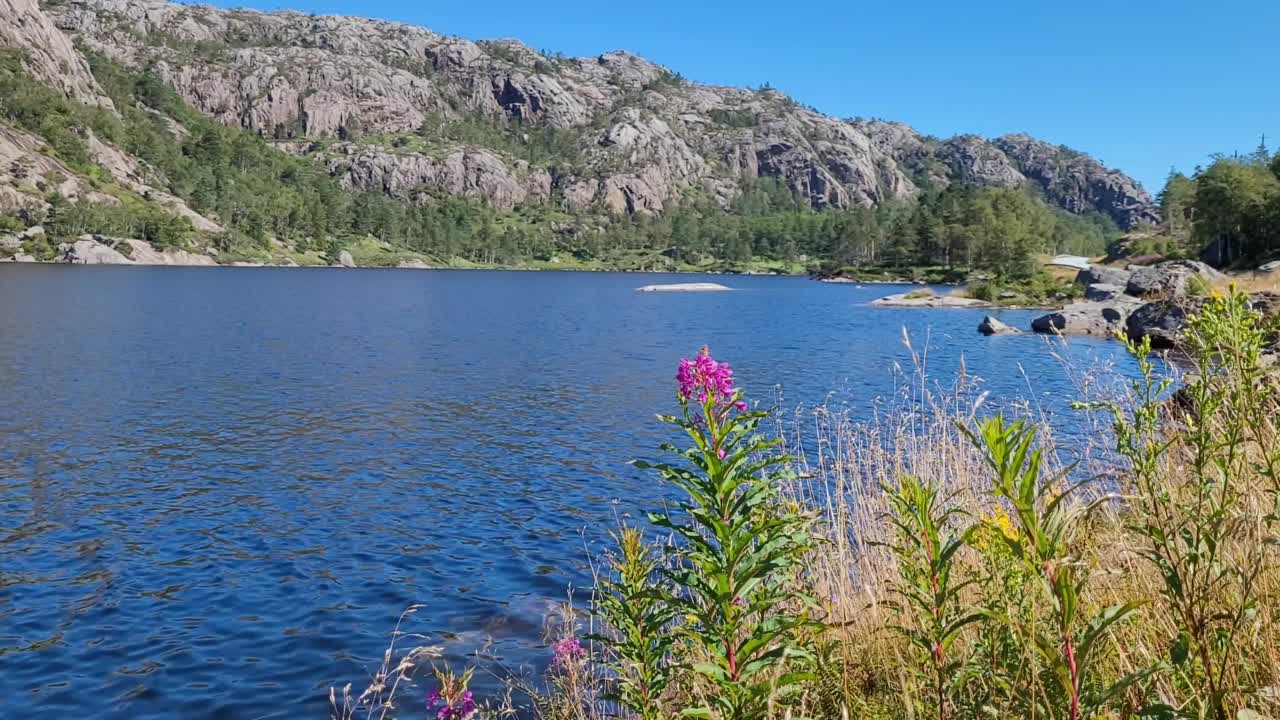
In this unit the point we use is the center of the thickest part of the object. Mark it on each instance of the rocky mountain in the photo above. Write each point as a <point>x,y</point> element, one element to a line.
<point>409,112</point>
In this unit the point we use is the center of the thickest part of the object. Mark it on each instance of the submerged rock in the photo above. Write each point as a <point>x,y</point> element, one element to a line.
<point>684,287</point>
<point>993,326</point>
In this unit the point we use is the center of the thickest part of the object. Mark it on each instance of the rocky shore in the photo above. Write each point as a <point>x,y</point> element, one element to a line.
<point>1148,301</point>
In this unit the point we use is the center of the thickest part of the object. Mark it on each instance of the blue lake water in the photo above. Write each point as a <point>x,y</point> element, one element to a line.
<point>220,487</point>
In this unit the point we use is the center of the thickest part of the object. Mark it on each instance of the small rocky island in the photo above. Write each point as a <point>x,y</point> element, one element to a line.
<point>685,287</point>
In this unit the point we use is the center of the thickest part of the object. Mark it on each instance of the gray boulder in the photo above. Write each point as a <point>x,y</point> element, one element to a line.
<point>1164,321</point>
<point>993,326</point>
<point>1102,318</point>
<point>1169,280</point>
<point>345,259</point>
<point>1103,291</point>
<point>1103,275</point>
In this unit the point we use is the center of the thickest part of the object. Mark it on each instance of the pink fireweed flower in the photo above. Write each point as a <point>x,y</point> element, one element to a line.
<point>702,378</point>
<point>567,650</point>
<point>462,708</point>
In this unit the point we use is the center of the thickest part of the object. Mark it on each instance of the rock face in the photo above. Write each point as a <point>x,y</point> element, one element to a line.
<point>467,171</point>
<point>1169,279</point>
<point>1079,183</point>
<point>993,326</point>
<point>49,55</point>
<point>627,136</point>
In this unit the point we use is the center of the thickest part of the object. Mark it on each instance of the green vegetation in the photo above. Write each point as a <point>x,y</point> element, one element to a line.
<point>1229,211</point>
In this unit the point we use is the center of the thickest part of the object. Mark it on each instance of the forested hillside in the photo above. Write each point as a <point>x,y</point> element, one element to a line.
<point>274,136</point>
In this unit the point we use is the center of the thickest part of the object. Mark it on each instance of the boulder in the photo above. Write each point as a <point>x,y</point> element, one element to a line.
<point>1164,321</point>
<point>1269,267</point>
<point>31,233</point>
<point>1102,318</point>
<point>1103,275</point>
<point>1169,280</point>
<point>413,264</point>
<point>345,259</point>
<point>10,242</point>
<point>24,258</point>
<point>1103,291</point>
<point>993,326</point>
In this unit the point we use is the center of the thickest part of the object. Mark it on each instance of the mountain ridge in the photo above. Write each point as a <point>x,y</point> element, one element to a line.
<point>402,110</point>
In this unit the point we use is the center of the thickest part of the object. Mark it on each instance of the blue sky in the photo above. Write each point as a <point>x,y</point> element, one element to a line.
<point>1142,85</point>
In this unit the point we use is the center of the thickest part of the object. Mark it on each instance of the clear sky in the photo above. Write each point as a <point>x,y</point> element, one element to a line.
<point>1140,84</point>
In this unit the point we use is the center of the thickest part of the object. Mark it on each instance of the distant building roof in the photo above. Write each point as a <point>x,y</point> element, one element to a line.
<point>1071,261</point>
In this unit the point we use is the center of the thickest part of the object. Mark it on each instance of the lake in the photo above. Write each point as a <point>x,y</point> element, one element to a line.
<point>220,487</point>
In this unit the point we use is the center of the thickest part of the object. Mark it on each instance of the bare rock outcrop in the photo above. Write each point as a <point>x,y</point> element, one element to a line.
<point>48,53</point>
<point>641,137</point>
<point>1079,183</point>
<point>469,171</point>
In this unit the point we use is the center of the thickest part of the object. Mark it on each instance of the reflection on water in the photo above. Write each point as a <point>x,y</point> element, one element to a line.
<point>219,488</point>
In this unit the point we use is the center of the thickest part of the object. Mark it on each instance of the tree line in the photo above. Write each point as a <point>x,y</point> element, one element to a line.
<point>1228,212</point>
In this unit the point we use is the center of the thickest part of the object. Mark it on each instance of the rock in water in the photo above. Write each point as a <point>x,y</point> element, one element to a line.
<point>993,326</point>
<point>345,259</point>
<point>1086,318</point>
<point>684,287</point>
<point>1169,280</point>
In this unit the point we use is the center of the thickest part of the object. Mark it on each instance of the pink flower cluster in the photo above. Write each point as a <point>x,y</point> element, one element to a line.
<point>702,377</point>
<point>461,709</point>
<point>567,650</point>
